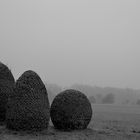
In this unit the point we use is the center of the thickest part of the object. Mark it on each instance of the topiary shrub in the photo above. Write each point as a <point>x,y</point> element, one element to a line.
<point>6,90</point>
<point>71,110</point>
<point>7,82</point>
<point>5,73</point>
<point>28,108</point>
<point>31,79</point>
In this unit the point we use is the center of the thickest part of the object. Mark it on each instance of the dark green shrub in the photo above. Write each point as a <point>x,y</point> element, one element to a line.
<point>6,90</point>
<point>7,82</point>
<point>71,110</point>
<point>28,108</point>
<point>31,79</point>
<point>5,73</point>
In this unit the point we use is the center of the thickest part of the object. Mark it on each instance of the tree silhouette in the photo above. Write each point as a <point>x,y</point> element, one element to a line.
<point>138,102</point>
<point>109,99</point>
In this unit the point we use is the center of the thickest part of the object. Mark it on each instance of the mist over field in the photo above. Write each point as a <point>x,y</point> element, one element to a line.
<point>84,42</point>
<point>100,95</point>
<point>89,45</point>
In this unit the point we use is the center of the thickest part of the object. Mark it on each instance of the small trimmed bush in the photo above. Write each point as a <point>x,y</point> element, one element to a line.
<point>71,110</point>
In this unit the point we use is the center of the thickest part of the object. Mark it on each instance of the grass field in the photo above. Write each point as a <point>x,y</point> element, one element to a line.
<point>117,120</point>
<point>109,122</point>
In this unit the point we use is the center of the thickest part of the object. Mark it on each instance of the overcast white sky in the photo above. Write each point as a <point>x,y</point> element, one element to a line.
<point>94,42</point>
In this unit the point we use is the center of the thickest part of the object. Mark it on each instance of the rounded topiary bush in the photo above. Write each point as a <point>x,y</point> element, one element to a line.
<point>28,108</point>
<point>7,82</point>
<point>6,90</point>
<point>71,110</point>
<point>5,73</point>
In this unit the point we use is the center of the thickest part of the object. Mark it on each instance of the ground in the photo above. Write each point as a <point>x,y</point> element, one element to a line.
<point>109,122</point>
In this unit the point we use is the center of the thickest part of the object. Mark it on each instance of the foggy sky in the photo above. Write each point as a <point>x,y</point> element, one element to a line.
<point>94,42</point>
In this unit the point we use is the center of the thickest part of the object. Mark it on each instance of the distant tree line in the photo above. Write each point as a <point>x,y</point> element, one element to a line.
<point>98,97</point>
<point>107,99</point>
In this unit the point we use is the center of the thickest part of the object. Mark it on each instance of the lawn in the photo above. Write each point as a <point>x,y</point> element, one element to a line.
<point>109,122</point>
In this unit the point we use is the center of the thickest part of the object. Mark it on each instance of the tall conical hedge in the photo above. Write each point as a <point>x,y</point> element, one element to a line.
<point>71,110</point>
<point>31,79</point>
<point>7,82</point>
<point>28,108</point>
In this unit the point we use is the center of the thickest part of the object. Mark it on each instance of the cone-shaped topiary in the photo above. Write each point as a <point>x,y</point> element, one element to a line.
<point>5,73</point>
<point>31,79</point>
<point>28,108</point>
<point>71,110</point>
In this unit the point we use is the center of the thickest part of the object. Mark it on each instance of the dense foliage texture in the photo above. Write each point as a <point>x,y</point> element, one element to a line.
<point>71,110</point>
<point>7,82</point>
<point>5,73</point>
<point>28,108</point>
